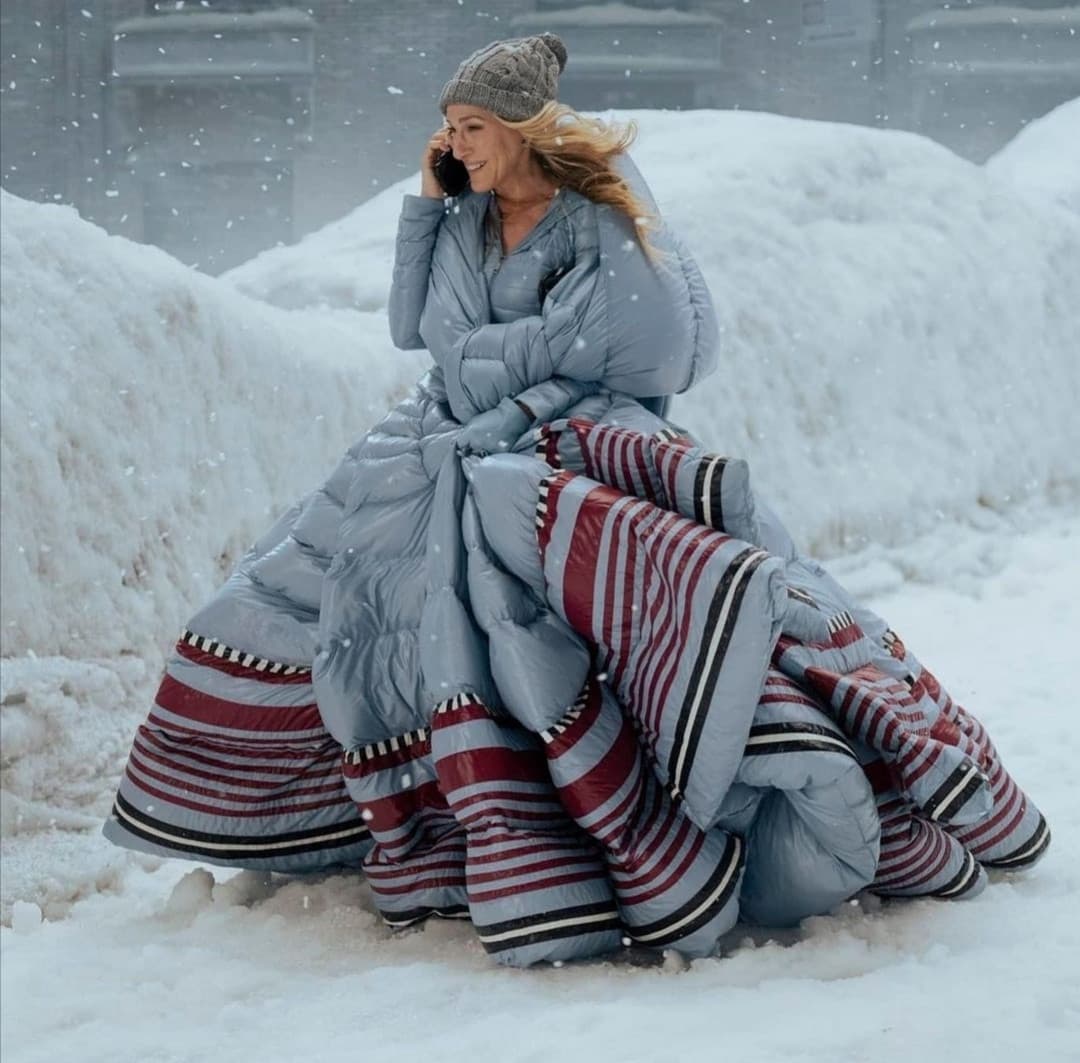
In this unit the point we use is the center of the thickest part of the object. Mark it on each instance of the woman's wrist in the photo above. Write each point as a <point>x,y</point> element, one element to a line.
<point>430,187</point>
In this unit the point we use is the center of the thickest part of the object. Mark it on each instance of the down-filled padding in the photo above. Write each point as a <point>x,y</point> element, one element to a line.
<point>584,693</point>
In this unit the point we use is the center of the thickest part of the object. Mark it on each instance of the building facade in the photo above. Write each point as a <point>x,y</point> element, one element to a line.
<point>217,128</point>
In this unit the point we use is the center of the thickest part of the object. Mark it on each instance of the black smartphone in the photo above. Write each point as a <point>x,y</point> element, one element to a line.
<point>549,280</point>
<point>451,174</point>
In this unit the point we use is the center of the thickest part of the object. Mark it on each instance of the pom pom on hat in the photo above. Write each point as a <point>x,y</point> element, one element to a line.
<point>513,79</point>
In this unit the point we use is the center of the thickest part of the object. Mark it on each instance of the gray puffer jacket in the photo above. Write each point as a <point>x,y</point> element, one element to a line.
<point>347,571</point>
<point>612,324</point>
<point>582,694</point>
<point>610,316</point>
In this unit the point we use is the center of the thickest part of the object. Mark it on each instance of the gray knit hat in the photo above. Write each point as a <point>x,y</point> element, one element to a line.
<point>513,79</point>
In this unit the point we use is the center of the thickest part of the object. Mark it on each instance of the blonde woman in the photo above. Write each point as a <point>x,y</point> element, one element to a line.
<point>292,730</point>
<point>551,274</point>
<point>513,693</point>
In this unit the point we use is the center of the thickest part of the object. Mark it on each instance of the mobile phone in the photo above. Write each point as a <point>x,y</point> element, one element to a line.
<point>451,174</point>
<point>548,281</point>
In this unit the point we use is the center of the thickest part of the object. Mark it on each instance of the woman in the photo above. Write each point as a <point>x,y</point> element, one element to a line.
<point>396,678</point>
<point>551,194</point>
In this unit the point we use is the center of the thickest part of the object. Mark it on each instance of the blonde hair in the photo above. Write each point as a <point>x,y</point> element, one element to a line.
<point>577,152</point>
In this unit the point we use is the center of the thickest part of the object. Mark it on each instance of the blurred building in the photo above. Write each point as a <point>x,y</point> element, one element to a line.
<point>220,127</point>
<point>216,128</point>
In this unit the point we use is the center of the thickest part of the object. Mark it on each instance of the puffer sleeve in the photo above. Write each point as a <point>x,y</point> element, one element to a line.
<point>644,325</point>
<point>484,362</point>
<point>661,324</point>
<point>548,399</point>
<point>418,226</point>
<point>659,304</point>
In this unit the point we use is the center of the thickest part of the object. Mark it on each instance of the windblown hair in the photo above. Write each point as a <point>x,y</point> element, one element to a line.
<point>578,151</point>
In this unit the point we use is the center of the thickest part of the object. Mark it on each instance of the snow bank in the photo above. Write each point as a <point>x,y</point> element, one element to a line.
<point>901,339</point>
<point>1044,157</point>
<point>58,746</point>
<point>344,264</point>
<point>153,421</point>
<point>901,346</point>
<point>901,327</point>
<point>228,966</point>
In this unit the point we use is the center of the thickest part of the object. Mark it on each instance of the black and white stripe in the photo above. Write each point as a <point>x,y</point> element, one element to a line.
<point>547,454</point>
<point>840,621</point>
<point>666,435</point>
<point>387,745</point>
<point>234,846</point>
<point>795,738</point>
<point>700,909</point>
<point>718,628</point>
<point>458,701</point>
<point>954,792</point>
<point>567,720</point>
<point>248,660</point>
<point>1027,853</point>
<point>962,881</point>
<point>708,500</point>
<point>542,501</point>
<point>399,920</point>
<point>549,926</point>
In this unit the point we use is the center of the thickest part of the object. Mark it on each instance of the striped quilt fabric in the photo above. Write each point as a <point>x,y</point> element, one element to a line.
<point>233,766</point>
<point>919,858</point>
<point>416,866</point>
<point>537,886</point>
<point>739,747</point>
<point>1015,834</point>
<point>666,469</point>
<point>811,779</point>
<point>948,803</point>
<point>677,886</point>
<point>683,618</point>
<point>889,716</point>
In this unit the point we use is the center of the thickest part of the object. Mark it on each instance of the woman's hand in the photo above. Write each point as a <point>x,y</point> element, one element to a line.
<point>429,183</point>
<point>495,431</point>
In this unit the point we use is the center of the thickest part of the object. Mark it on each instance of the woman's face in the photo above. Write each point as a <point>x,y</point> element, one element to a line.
<point>491,151</point>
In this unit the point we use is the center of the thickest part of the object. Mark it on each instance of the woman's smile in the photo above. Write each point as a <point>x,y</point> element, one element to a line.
<point>493,154</point>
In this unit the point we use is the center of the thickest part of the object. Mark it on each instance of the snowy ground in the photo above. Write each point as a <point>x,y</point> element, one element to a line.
<point>177,963</point>
<point>902,370</point>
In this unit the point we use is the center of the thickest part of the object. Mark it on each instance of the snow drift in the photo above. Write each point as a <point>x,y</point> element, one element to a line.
<point>901,335</point>
<point>864,279</point>
<point>896,319</point>
<point>154,420</point>
<point>1044,157</point>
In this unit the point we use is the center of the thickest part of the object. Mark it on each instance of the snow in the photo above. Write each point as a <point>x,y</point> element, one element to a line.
<point>1044,157</point>
<point>901,369</point>
<point>894,316</point>
<point>180,963</point>
<point>154,420</point>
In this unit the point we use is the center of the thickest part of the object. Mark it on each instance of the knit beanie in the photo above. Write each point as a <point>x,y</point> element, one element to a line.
<point>513,79</point>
